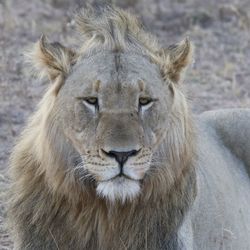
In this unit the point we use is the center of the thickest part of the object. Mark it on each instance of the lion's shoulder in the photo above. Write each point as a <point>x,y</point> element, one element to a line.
<point>231,127</point>
<point>222,182</point>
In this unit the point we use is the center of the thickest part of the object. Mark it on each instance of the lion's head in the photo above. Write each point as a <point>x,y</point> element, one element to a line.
<point>115,114</point>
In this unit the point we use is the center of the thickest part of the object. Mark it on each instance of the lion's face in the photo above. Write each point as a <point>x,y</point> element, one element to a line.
<point>114,111</point>
<point>116,105</point>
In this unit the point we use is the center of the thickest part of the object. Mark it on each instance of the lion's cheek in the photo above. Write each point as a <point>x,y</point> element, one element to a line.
<point>136,172</point>
<point>77,139</point>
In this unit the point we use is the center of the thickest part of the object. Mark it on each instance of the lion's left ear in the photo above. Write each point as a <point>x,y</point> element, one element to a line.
<point>175,59</point>
<point>51,59</point>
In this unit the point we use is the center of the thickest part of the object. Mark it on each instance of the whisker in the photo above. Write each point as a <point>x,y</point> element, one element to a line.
<point>87,177</point>
<point>73,169</point>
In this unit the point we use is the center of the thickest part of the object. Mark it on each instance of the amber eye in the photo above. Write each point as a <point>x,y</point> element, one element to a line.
<point>91,100</point>
<point>143,101</point>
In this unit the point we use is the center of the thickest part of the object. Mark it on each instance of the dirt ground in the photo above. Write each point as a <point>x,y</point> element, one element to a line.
<point>219,77</point>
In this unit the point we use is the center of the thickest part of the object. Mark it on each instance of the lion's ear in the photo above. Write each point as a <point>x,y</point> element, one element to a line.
<point>175,59</point>
<point>51,59</point>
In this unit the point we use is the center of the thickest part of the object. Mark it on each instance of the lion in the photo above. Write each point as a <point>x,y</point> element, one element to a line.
<point>113,158</point>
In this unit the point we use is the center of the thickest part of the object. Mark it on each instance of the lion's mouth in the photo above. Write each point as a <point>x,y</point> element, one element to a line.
<point>121,176</point>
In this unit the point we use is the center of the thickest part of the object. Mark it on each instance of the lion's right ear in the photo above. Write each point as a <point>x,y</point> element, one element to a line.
<point>51,59</point>
<point>175,59</point>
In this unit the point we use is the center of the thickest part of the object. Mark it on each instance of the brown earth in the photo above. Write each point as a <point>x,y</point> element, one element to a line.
<point>219,77</point>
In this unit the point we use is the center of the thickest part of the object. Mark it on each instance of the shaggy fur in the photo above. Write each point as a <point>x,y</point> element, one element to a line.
<point>53,198</point>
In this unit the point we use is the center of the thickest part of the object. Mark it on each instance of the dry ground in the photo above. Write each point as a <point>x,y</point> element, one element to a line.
<point>219,77</point>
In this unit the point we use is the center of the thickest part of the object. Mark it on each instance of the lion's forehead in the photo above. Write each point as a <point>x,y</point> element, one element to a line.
<point>112,68</point>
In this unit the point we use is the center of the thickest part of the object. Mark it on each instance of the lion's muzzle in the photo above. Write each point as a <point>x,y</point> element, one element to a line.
<point>121,157</point>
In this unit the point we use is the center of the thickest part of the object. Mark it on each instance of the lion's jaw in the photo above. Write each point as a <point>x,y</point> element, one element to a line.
<point>120,188</point>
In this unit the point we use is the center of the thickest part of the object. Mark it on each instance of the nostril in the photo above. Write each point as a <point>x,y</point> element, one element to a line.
<point>121,157</point>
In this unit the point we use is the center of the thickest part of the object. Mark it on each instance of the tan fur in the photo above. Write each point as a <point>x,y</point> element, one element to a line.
<point>51,59</point>
<point>50,208</point>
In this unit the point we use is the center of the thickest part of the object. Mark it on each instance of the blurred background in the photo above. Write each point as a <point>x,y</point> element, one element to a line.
<point>219,77</point>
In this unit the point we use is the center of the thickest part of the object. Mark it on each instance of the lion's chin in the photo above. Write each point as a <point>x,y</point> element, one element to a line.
<point>119,189</point>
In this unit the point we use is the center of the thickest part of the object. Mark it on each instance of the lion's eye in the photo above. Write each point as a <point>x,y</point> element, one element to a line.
<point>143,101</point>
<point>91,100</point>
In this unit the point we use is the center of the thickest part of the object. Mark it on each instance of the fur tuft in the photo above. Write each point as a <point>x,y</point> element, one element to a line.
<point>114,29</point>
<point>120,190</point>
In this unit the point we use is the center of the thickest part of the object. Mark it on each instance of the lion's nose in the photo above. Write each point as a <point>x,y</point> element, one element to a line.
<point>121,157</point>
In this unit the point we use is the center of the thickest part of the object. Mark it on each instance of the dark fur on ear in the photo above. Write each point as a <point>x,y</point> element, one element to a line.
<point>175,59</point>
<point>51,59</point>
